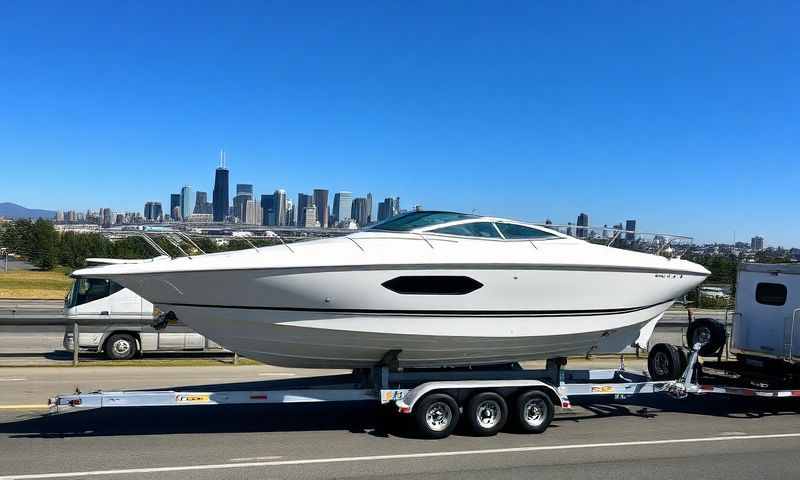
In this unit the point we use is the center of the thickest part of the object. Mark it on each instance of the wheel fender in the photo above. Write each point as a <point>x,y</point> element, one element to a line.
<point>406,404</point>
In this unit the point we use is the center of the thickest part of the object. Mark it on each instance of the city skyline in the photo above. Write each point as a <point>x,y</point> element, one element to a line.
<point>683,117</point>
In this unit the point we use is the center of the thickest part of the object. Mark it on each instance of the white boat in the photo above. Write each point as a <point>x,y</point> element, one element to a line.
<point>443,289</point>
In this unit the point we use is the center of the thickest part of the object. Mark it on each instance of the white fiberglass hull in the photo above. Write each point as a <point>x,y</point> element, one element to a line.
<point>347,318</point>
<point>325,340</point>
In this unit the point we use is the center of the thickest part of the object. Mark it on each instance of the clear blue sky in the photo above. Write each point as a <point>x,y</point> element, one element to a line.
<point>683,115</point>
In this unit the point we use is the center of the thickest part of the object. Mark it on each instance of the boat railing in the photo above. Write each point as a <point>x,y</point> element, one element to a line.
<point>666,244</point>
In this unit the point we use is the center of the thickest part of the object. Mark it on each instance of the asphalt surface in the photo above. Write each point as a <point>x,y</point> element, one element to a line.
<point>653,436</point>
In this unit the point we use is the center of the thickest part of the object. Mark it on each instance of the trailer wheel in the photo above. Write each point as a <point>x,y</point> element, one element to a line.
<point>120,346</point>
<point>664,362</point>
<point>436,415</point>
<point>533,411</point>
<point>487,413</point>
<point>708,332</point>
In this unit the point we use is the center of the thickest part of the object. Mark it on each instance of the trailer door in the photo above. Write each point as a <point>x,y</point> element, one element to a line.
<point>768,323</point>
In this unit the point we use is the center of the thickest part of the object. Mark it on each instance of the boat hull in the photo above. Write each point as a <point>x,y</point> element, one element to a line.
<point>324,340</point>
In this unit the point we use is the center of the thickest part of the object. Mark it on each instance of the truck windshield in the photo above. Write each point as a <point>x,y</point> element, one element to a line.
<point>86,290</point>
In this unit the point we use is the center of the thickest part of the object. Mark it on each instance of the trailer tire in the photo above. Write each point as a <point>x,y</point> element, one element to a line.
<point>436,415</point>
<point>708,332</point>
<point>120,346</point>
<point>533,411</point>
<point>487,413</point>
<point>664,362</point>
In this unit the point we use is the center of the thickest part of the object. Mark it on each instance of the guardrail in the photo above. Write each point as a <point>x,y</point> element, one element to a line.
<point>32,320</point>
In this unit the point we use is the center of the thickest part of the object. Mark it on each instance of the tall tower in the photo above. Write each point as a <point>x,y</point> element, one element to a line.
<point>187,201</point>
<point>583,221</point>
<point>280,206</point>
<point>321,202</point>
<point>220,200</point>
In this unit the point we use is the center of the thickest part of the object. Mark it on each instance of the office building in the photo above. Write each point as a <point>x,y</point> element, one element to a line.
<point>201,204</point>
<point>268,210</point>
<point>757,243</point>
<point>152,211</point>
<point>370,218</point>
<point>583,221</point>
<point>220,200</point>
<point>358,212</point>
<point>342,205</point>
<point>252,213</point>
<point>321,202</point>
<point>176,214</point>
<point>309,215</point>
<point>187,201</point>
<point>174,201</point>
<point>303,202</point>
<point>630,230</point>
<point>388,208</point>
<point>105,217</point>
<point>281,207</point>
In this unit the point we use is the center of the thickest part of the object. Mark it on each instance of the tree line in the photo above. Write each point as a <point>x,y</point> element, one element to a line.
<point>46,248</point>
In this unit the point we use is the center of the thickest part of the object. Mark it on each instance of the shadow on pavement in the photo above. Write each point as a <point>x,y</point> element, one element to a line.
<point>357,417</point>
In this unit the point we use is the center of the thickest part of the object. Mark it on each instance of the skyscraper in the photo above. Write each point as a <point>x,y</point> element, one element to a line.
<point>280,206</point>
<point>152,211</point>
<point>369,208</point>
<point>342,205</point>
<point>252,213</point>
<point>757,243</point>
<point>303,202</point>
<point>268,209</point>
<point>187,202</point>
<point>309,217</point>
<point>174,202</point>
<point>630,230</point>
<point>359,211</point>
<point>220,197</point>
<point>321,202</point>
<point>583,221</point>
<point>201,204</point>
<point>388,208</point>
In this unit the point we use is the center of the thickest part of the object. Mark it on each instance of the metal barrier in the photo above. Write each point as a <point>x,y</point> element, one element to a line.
<point>30,320</point>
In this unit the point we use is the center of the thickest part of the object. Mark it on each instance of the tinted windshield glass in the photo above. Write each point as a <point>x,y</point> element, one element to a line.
<point>410,221</point>
<point>480,229</point>
<point>512,231</point>
<point>87,290</point>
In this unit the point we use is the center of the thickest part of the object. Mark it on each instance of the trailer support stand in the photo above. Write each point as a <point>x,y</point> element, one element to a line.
<point>76,345</point>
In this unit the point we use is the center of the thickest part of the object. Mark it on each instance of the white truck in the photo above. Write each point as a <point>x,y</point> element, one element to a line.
<point>120,322</point>
<point>486,399</point>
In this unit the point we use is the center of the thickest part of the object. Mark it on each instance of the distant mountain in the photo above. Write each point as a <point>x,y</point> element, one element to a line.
<point>12,210</point>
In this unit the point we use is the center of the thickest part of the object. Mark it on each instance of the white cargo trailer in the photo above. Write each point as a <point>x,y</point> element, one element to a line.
<point>767,312</point>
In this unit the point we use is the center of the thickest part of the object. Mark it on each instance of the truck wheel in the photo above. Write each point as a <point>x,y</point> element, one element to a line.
<point>487,413</point>
<point>709,332</point>
<point>436,415</point>
<point>120,346</point>
<point>533,411</point>
<point>664,362</point>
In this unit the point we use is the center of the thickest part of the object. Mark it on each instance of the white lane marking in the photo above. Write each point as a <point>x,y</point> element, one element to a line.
<point>12,379</point>
<point>399,456</point>
<point>24,406</point>
<point>277,374</point>
<point>250,459</point>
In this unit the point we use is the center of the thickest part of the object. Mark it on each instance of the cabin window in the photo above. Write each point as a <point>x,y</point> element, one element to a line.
<point>478,229</point>
<point>90,289</point>
<point>519,232</point>
<point>432,285</point>
<point>771,294</point>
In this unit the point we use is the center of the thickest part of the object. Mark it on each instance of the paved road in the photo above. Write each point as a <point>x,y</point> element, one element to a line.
<point>708,437</point>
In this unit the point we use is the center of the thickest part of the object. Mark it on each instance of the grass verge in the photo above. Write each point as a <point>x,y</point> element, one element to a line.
<point>34,284</point>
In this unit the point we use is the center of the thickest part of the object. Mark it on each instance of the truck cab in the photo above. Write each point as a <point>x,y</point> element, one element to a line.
<point>117,322</point>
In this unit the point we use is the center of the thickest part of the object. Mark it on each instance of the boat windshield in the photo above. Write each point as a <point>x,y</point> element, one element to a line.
<point>414,220</point>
